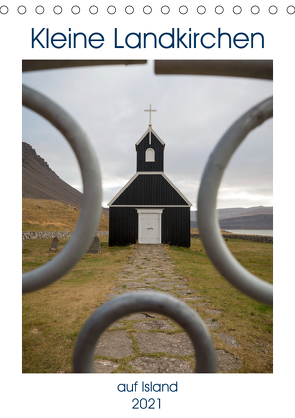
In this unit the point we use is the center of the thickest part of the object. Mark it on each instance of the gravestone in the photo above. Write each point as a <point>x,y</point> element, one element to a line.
<point>54,244</point>
<point>95,246</point>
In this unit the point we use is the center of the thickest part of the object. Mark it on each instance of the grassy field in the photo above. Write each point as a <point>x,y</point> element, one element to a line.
<point>50,215</point>
<point>249,322</point>
<point>52,317</point>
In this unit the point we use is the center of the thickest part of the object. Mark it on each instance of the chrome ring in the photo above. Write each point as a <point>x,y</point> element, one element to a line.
<point>132,302</point>
<point>208,224</point>
<point>91,204</point>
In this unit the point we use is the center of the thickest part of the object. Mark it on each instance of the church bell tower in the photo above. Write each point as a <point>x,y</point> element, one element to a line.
<point>150,150</point>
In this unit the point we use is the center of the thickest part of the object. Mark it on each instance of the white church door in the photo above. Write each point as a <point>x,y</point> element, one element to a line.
<point>149,226</point>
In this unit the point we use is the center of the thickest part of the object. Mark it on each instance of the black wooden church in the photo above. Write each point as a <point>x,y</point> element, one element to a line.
<point>149,209</point>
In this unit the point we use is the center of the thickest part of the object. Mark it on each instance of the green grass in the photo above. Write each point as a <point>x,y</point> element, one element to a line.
<point>53,316</point>
<point>248,321</point>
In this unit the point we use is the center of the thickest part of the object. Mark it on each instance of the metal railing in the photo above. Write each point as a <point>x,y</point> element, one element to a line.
<point>91,203</point>
<point>214,245</point>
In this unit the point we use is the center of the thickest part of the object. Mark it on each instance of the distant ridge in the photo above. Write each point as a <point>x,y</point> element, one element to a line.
<point>259,221</point>
<point>258,217</point>
<point>39,181</point>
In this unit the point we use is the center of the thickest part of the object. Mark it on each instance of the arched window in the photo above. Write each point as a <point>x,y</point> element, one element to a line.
<point>150,155</point>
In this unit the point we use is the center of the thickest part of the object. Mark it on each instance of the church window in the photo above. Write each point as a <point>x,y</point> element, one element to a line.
<point>150,155</point>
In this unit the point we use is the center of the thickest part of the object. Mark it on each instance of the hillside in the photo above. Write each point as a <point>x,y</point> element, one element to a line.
<point>258,217</point>
<point>259,221</point>
<point>40,182</point>
<point>49,203</point>
<point>50,215</point>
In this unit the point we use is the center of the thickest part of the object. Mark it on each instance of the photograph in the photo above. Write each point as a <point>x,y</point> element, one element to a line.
<point>147,219</point>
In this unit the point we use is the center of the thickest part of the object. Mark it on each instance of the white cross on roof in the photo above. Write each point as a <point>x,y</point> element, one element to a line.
<point>150,110</point>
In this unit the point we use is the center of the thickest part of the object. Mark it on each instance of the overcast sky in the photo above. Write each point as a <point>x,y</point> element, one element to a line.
<point>193,112</point>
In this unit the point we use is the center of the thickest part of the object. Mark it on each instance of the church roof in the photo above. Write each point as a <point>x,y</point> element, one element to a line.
<point>175,197</point>
<point>149,129</point>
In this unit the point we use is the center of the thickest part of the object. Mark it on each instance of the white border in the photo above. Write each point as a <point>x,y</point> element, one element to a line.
<point>76,395</point>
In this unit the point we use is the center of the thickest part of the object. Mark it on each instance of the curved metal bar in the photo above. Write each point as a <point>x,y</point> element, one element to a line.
<point>262,69</point>
<point>208,224</point>
<point>37,65</point>
<point>91,204</point>
<point>132,302</point>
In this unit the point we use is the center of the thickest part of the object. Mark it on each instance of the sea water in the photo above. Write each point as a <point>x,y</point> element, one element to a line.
<point>266,232</point>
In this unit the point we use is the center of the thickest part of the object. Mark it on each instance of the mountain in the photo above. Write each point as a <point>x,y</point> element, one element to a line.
<point>40,182</point>
<point>258,217</point>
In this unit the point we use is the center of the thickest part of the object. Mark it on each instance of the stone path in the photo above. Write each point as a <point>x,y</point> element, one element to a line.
<point>150,343</point>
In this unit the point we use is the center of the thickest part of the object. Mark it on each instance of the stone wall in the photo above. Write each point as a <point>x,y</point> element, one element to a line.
<point>257,238</point>
<point>58,234</point>
<point>68,234</point>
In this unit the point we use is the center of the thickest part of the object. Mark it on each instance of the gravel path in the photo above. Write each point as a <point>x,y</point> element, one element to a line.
<point>150,343</point>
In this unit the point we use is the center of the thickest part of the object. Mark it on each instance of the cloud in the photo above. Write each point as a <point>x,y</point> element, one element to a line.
<point>193,112</point>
